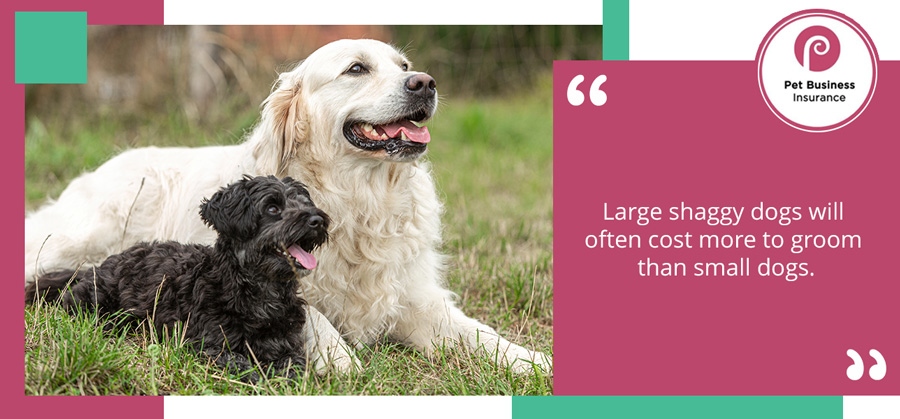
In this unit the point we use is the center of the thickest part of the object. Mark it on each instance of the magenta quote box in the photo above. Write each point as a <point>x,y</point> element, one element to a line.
<point>742,318</point>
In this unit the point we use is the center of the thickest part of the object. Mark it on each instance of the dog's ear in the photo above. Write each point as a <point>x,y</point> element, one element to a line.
<point>231,211</point>
<point>284,125</point>
<point>299,186</point>
<point>293,183</point>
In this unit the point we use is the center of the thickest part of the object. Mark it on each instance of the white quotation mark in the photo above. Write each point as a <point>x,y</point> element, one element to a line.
<point>879,370</point>
<point>856,371</point>
<point>576,98</point>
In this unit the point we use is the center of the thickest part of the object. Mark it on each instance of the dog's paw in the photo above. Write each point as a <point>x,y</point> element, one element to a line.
<point>522,361</point>
<point>539,363</point>
<point>341,360</point>
<point>347,363</point>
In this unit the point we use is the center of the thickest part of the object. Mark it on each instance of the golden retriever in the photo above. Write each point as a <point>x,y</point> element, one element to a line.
<point>347,122</point>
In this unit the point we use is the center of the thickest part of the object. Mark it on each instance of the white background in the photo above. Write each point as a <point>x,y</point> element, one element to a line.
<point>871,407</point>
<point>327,407</point>
<point>660,30</point>
<point>726,30</point>
<point>381,12</point>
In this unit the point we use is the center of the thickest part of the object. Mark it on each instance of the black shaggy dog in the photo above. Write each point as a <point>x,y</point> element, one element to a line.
<point>237,300</point>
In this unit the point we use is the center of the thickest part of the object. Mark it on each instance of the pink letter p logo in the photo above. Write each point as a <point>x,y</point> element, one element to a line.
<point>817,48</point>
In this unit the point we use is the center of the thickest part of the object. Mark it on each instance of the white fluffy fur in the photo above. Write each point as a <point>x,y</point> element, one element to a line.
<point>381,271</point>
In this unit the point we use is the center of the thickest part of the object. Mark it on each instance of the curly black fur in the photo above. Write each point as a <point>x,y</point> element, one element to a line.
<point>234,298</point>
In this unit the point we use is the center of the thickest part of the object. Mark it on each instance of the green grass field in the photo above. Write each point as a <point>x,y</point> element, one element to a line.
<point>493,163</point>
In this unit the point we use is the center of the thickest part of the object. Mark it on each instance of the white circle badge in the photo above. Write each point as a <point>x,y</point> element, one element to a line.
<point>817,70</point>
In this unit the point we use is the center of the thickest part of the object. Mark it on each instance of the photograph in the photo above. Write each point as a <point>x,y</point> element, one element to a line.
<point>295,210</point>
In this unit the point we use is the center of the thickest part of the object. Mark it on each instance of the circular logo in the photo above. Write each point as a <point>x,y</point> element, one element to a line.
<point>817,70</point>
<point>817,48</point>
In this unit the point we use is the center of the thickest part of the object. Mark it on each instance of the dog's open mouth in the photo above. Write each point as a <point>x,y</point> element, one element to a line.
<point>406,134</point>
<point>405,130</point>
<point>299,256</point>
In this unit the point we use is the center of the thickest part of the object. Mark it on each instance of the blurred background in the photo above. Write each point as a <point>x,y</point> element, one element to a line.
<point>164,84</point>
<point>491,153</point>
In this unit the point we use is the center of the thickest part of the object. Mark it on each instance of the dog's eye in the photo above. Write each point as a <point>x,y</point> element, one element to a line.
<point>273,210</point>
<point>405,67</point>
<point>357,68</point>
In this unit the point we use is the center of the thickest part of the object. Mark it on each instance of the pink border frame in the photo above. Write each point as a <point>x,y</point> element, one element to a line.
<point>873,54</point>
<point>99,12</point>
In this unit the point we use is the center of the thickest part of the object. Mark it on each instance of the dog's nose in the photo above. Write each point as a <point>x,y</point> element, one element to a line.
<point>315,221</point>
<point>421,84</point>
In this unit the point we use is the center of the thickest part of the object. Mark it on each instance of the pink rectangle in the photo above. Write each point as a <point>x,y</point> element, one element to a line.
<point>18,405</point>
<point>99,12</point>
<point>700,133</point>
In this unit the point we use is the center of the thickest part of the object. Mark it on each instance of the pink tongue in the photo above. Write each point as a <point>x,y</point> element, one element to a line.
<point>414,133</point>
<point>307,260</point>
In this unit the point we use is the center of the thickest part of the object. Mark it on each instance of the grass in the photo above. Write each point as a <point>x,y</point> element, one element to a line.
<point>493,164</point>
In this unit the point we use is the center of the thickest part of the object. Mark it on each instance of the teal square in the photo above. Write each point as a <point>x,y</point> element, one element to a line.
<point>51,47</point>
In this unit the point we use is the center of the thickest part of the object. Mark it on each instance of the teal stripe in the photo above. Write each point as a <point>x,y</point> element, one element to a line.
<point>615,30</point>
<point>693,407</point>
<point>51,47</point>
